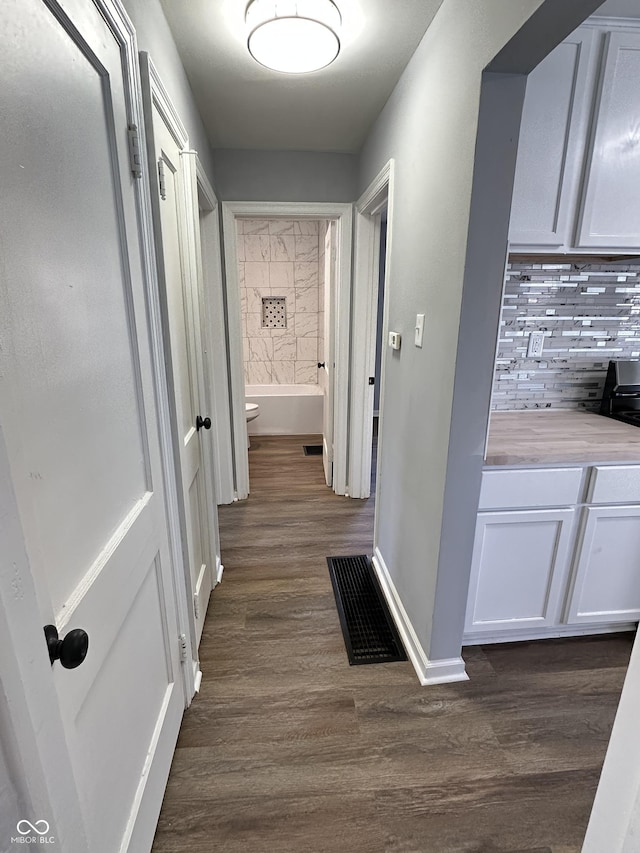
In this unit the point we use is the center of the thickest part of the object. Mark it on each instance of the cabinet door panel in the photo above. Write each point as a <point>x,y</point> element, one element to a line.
<point>610,214</point>
<point>551,145</point>
<point>519,569</point>
<point>606,586</point>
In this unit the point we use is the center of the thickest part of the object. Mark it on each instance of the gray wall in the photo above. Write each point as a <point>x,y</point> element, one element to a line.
<point>429,127</point>
<point>154,37</point>
<point>285,176</point>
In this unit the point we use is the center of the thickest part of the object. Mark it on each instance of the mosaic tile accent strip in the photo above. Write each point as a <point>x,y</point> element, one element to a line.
<point>589,313</point>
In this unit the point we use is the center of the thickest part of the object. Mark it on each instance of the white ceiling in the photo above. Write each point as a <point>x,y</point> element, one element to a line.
<point>244,105</point>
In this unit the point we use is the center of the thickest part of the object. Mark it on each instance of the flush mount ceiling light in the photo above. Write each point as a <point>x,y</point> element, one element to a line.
<point>293,36</point>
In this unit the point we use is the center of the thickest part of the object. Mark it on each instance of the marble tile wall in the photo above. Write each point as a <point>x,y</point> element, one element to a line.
<point>589,313</point>
<point>278,257</point>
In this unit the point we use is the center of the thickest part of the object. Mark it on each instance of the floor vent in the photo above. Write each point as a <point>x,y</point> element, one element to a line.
<point>312,449</point>
<point>369,633</point>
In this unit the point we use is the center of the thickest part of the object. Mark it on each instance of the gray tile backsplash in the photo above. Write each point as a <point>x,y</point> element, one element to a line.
<point>589,313</point>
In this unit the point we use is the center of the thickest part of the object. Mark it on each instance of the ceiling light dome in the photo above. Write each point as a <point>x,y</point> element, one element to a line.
<point>293,36</point>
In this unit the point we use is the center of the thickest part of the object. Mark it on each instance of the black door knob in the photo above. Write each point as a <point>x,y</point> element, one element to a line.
<point>202,422</point>
<point>71,651</point>
<point>321,364</point>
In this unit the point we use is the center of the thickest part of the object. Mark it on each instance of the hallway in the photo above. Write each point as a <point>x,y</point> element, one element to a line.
<point>288,748</point>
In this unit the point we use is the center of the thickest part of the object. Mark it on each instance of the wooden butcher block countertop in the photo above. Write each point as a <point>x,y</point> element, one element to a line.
<point>558,436</point>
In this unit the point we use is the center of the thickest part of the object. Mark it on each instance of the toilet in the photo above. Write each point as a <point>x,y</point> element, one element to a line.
<point>252,410</point>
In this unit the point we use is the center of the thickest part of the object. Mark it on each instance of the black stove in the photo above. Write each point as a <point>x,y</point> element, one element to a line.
<point>621,396</point>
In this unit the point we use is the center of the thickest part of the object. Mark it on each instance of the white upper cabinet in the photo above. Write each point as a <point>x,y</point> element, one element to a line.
<point>554,125</point>
<point>578,165</point>
<point>610,215</point>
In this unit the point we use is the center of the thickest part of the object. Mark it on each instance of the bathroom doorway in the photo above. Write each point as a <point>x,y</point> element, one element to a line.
<point>283,267</point>
<point>288,310</point>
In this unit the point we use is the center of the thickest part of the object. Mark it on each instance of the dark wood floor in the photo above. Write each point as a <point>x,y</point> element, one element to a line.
<point>288,748</point>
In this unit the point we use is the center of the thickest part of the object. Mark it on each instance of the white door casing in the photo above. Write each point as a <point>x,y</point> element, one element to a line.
<point>342,214</point>
<point>364,328</point>
<point>80,387</point>
<point>171,192</point>
<point>327,373</point>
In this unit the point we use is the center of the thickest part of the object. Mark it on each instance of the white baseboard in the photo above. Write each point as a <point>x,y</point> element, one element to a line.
<point>428,671</point>
<point>219,570</point>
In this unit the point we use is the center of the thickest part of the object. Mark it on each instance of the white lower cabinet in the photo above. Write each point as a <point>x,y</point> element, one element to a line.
<point>549,570</point>
<point>521,562</point>
<point>606,582</point>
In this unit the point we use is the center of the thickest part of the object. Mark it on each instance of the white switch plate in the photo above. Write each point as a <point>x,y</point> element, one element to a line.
<point>536,343</point>
<point>419,329</point>
<point>394,340</point>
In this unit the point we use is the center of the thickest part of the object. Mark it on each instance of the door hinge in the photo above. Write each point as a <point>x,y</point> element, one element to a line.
<point>182,646</point>
<point>196,606</point>
<point>134,151</point>
<point>161,179</point>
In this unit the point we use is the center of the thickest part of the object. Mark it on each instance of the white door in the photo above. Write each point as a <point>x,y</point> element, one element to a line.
<point>327,374</point>
<point>178,274</point>
<point>217,375</point>
<point>78,412</point>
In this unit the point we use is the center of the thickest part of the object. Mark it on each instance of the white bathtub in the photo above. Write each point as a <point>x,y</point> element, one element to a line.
<point>285,409</point>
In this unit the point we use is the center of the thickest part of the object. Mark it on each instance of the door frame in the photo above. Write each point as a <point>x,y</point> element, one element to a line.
<point>342,214</point>
<point>34,715</point>
<point>366,270</point>
<point>154,94</point>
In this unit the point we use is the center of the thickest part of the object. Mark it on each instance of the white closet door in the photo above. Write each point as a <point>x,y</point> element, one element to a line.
<point>78,412</point>
<point>179,280</point>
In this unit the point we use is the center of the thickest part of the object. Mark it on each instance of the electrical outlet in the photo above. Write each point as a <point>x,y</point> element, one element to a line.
<point>536,344</point>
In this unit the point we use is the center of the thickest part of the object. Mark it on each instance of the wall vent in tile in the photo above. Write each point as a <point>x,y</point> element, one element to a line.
<point>274,312</point>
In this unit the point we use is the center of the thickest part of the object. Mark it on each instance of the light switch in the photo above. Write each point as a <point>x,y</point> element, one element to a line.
<point>394,340</point>
<point>419,329</point>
